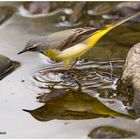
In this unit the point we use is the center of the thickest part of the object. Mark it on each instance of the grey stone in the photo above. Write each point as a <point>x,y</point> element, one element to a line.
<point>5,65</point>
<point>131,74</point>
<point>110,132</point>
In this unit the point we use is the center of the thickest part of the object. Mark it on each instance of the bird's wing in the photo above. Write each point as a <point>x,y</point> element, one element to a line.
<point>78,36</point>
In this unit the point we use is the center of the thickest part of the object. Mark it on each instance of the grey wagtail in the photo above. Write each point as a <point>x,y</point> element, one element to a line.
<point>69,45</point>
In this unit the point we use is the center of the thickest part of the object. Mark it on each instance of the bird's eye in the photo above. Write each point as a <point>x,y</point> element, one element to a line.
<point>41,52</point>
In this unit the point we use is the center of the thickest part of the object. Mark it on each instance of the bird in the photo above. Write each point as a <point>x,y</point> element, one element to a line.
<point>69,45</point>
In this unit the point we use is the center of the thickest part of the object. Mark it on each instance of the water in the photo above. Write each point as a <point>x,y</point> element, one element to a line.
<point>29,85</point>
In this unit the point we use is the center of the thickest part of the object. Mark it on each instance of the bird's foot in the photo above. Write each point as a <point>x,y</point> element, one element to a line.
<point>69,67</point>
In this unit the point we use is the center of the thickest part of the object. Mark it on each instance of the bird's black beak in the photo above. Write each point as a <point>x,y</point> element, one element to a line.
<point>22,52</point>
<point>42,52</point>
<point>29,111</point>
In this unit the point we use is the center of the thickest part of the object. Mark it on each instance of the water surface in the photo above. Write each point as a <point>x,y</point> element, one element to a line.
<point>94,77</point>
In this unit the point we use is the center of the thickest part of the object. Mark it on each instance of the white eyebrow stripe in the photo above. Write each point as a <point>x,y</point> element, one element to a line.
<point>35,45</point>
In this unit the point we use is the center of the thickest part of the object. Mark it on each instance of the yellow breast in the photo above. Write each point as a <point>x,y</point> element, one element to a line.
<point>73,52</point>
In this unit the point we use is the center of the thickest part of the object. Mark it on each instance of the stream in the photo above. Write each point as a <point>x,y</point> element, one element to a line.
<point>40,99</point>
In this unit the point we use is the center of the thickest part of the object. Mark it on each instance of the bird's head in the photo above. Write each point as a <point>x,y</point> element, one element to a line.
<point>33,46</point>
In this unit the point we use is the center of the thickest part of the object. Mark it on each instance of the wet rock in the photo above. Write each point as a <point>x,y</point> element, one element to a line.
<point>100,9</point>
<point>131,75</point>
<point>38,11</point>
<point>126,8</point>
<point>125,92</point>
<point>5,65</point>
<point>77,12</point>
<point>109,132</point>
<point>71,105</point>
<point>5,13</point>
<point>41,7</point>
<point>130,4</point>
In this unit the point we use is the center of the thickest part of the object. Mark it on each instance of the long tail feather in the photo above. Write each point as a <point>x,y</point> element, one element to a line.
<point>92,40</point>
<point>119,22</point>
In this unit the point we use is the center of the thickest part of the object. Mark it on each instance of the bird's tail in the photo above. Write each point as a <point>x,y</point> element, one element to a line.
<point>119,22</point>
<point>92,40</point>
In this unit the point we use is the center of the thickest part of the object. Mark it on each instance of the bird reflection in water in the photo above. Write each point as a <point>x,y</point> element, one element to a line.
<point>71,105</point>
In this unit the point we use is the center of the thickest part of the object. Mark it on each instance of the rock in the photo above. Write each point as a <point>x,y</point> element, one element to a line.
<point>41,7</point>
<point>131,75</point>
<point>5,13</point>
<point>125,92</point>
<point>77,12</point>
<point>130,4</point>
<point>99,9</point>
<point>6,66</point>
<point>126,8</point>
<point>109,132</point>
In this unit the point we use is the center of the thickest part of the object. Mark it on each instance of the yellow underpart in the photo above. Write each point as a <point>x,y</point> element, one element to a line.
<point>73,52</point>
<point>81,48</point>
<point>52,53</point>
<point>97,35</point>
<point>91,41</point>
<point>78,49</point>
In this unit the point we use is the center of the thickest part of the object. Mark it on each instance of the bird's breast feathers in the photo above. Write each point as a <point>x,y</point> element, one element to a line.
<point>73,52</point>
<point>69,53</point>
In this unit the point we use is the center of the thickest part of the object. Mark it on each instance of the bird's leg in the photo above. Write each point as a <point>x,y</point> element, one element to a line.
<point>67,63</point>
<point>73,63</point>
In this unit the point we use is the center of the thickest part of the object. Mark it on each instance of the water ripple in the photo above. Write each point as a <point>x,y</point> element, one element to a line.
<point>87,75</point>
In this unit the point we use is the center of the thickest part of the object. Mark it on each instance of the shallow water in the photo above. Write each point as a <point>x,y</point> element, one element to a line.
<point>95,75</point>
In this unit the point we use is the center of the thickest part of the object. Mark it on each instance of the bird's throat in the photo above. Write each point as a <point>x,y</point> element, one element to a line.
<point>51,53</point>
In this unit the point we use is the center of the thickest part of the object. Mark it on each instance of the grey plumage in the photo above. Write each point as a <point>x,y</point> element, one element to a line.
<point>59,40</point>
